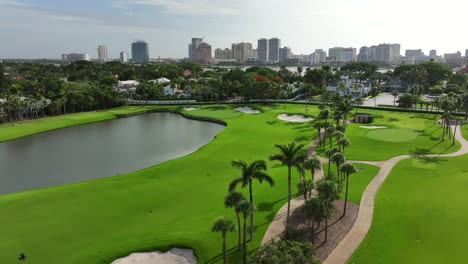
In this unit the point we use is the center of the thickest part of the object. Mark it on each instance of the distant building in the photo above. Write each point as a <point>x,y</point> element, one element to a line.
<point>124,57</point>
<point>388,53</point>
<point>454,59</point>
<point>284,54</point>
<point>407,60</point>
<point>202,54</point>
<point>318,57</point>
<point>140,52</point>
<point>241,51</point>
<point>414,53</point>
<point>74,57</point>
<point>223,54</point>
<point>127,86</point>
<point>363,54</point>
<point>348,55</point>
<point>102,54</point>
<point>433,53</point>
<point>254,54</point>
<point>262,50</point>
<point>335,53</point>
<point>274,45</point>
<point>194,45</point>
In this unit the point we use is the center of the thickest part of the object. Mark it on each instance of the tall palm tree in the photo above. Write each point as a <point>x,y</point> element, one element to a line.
<point>330,132</point>
<point>292,156</point>
<point>230,201</point>
<point>325,114</point>
<point>253,171</point>
<point>347,169</point>
<point>345,106</point>
<point>246,208</point>
<point>319,125</point>
<point>312,164</point>
<point>329,153</point>
<point>343,143</point>
<point>338,158</point>
<point>327,193</point>
<point>223,225</point>
<point>337,134</point>
<point>305,187</point>
<point>457,104</point>
<point>314,213</point>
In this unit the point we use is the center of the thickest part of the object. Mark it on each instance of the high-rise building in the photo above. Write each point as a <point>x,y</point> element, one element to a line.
<point>102,54</point>
<point>241,51</point>
<point>254,54</point>
<point>194,45</point>
<point>140,52</point>
<point>454,59</point>
<point>363,54</point>
<point>262,50</point>
<point>336,53</point>
<point>414,53</point>
<point>223,54</point>
<point>466,53</point>
<point>74,57</point>
<point>433,53</point>
<point>388,53</point>
<point>318,57</point>
<point>274,45</point>
<point>124,57</point>
<point>202,54</point>
<point>348,55</point>
<point>284,54</point>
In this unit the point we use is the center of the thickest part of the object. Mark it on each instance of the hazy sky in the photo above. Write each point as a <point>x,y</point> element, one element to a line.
<point>47,28</point>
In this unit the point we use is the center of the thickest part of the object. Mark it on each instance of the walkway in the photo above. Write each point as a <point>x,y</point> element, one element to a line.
<point>361,227</point>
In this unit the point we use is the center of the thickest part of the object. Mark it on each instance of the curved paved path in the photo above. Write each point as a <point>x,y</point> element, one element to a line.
<point>358,232</point>
<point>356,235</point>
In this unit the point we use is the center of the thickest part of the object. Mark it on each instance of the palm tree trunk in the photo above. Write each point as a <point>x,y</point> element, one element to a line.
<point>326,229</point>
<point>455,131</point>
<point>289,196</point>
<point>224,249</point>
<point>251,215</point>
<point>346,195</point>
<point>238,231</point>
<point>245,241</point>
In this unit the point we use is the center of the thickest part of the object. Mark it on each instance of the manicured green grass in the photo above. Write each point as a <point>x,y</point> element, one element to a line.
<point>385,143</point>
<point>464,130</point>
<point>358,181</point>
<point>28,127</point>
<point>392,134</point>
<point>171,204</point>
<point>420,214</point>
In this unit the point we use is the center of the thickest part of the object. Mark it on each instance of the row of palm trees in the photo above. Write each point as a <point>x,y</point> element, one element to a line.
<point>450,105</point>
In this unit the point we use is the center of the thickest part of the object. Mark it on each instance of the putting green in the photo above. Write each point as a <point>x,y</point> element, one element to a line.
<point>392,134</point>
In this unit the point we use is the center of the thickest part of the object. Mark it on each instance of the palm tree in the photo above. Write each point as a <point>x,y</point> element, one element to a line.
<point>329,153</point>
<point>337,134</point>
<point>312,164</point>
<point>246,208</point>
<point>230,201</point>
<point>318,125</point>
<point>457,104</point>
<point>254,171</point>
<point>330,132</point>
<point>305,187</point>
<point>343,143</point>
<point>347,169</point>
<point>345,106</point>
<point>223,225</point>
<point>338,158</point>
<point>327,193</point>
<point>292,156</point>
<point>395,95</point>
<point>314,212</point>
<point>325,114</point>
<point>337,116</point>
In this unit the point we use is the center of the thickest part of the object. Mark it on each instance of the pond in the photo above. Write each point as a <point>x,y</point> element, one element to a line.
<point>98,150</point>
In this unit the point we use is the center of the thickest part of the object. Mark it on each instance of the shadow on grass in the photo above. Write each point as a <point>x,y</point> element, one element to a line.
<point>432,160</point>
<point>393,119</point>
<point>215,108</point>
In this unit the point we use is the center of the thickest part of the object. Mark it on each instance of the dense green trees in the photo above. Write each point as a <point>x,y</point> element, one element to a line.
<point>285,251</point>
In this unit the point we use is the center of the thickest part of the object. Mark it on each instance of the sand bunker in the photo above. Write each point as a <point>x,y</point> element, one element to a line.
<point>190,108</point>
<point>173,256</point>
<point>295,118</point>
<point>247,110</point>
<point>372,127</point>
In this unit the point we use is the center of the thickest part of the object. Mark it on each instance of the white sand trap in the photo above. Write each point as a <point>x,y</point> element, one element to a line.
<point>190,108</point>
<point>372,127</point>
<point>294,118</point>
<point>173,256</point>
<point>247,110</point>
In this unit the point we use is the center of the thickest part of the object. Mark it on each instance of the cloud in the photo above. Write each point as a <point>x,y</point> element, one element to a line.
<point>189,7</point>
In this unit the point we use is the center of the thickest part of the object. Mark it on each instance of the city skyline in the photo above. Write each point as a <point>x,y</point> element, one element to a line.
<point>166,25</point>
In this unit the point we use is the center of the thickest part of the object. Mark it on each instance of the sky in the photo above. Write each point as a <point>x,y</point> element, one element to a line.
<point>48,28</point>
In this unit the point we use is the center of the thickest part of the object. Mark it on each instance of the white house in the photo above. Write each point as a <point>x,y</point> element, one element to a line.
<point>127,86</point>
<point>347,86</point>
<point>161,80</point>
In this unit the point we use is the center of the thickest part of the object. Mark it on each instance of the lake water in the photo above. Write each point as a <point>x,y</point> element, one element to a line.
<point>98,150</point>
